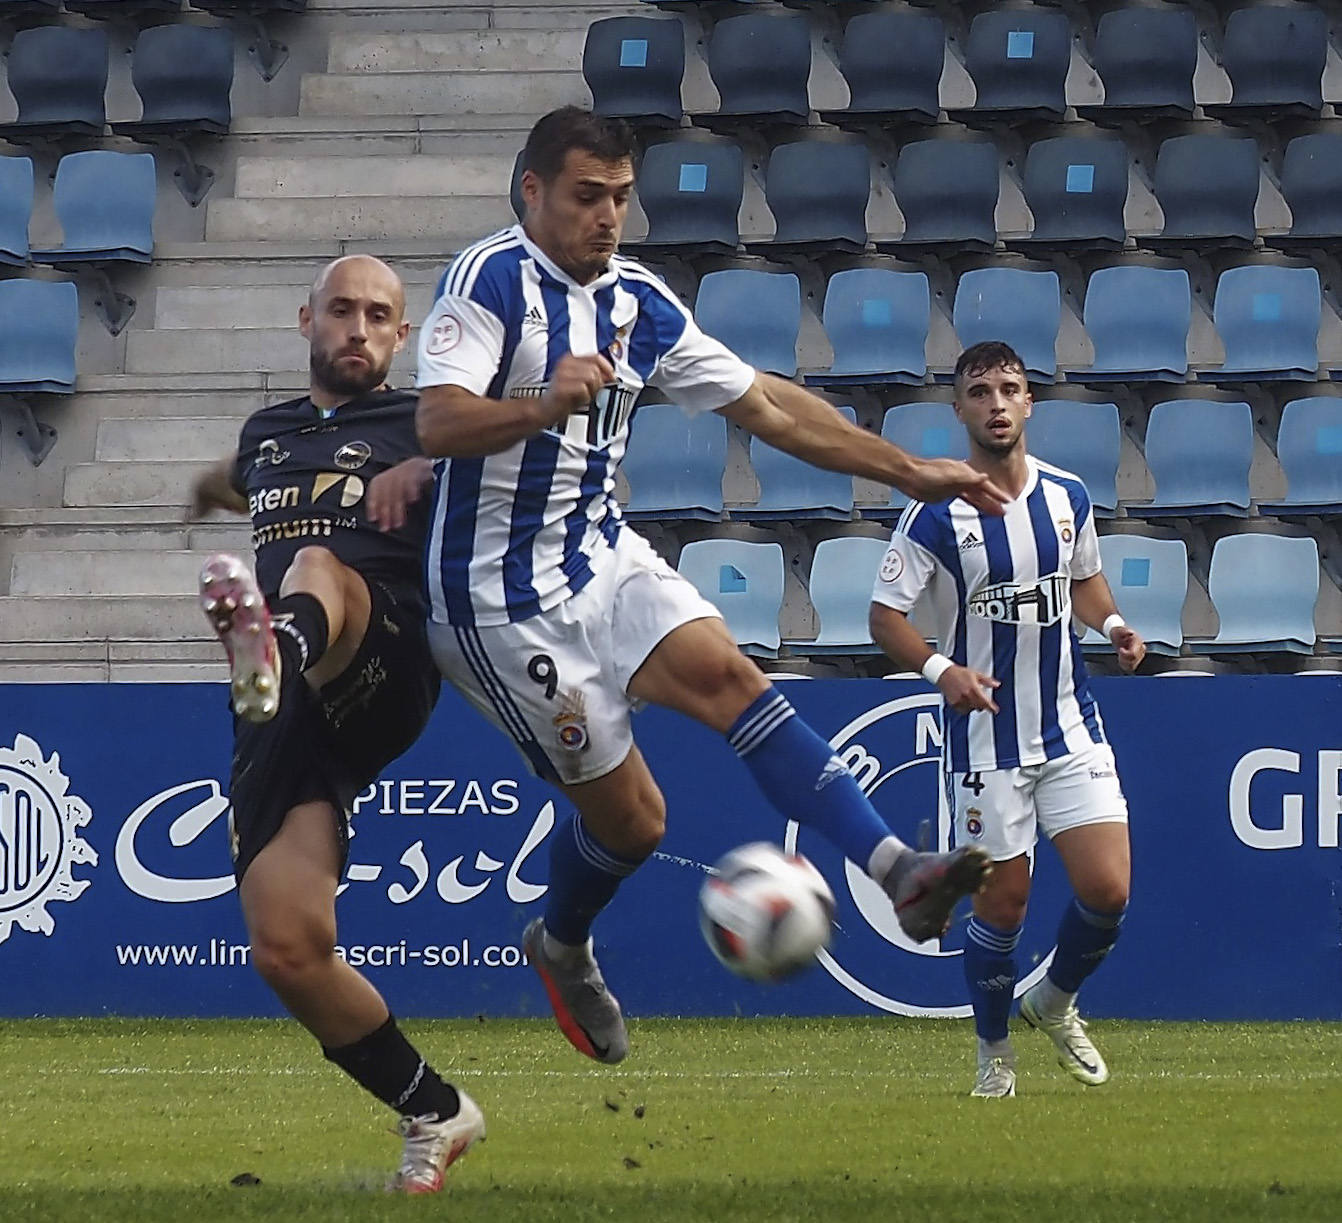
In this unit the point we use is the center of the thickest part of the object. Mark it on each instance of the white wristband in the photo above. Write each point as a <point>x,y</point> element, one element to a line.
<point>935,667</point>
<point>1111,623</point>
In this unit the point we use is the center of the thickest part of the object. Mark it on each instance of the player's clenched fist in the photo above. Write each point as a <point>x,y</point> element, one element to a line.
<point>574,384</point>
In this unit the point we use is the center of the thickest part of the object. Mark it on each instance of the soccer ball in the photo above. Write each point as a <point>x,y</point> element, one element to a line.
<point>764,913</point>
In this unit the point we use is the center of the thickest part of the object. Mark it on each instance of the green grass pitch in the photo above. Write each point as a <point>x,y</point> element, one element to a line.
<point>775,1120</point>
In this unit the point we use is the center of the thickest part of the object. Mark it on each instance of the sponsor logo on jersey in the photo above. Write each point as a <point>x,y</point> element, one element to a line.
<point>1039,603</point>
<point>533,318</point>
<point>353,455</point>
<point>970,542</point>
<point>269,452</point>
<point>351,488</point>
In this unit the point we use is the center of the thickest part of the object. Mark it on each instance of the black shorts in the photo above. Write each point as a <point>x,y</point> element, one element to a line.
<point>331,745</point>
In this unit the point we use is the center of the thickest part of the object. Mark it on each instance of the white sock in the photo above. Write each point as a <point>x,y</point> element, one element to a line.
<point>887,852</point>
<point>565,953</point>
<point>989,1049</point>
<point>1049,999</point>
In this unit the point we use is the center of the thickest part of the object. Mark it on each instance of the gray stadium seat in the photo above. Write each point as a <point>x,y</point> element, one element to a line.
<point>843,572</point>
<point>1149,578</point>
<point>1264,588</point>
<point>744,581</point>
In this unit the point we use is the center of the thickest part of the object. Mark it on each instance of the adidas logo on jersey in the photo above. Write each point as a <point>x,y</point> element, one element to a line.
<point>970,541</point>
<point>533,317</point>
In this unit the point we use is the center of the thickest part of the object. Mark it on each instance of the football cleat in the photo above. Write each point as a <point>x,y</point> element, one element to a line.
<point>925,887</point>
<point>236,609</point>
<point>433,1146</point>
<point>996,1079</point>
<point>585,1009</point>
<point>1076,1054</point>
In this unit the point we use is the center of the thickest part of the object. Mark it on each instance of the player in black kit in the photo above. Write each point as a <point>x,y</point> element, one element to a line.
<point>331,678</point>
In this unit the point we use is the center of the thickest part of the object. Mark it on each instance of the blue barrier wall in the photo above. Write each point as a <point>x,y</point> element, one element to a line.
<point>116,897</point>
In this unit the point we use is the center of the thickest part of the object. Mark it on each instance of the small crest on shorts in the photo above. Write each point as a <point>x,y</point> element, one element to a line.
<point>974,822</point>
<point>571,722</point>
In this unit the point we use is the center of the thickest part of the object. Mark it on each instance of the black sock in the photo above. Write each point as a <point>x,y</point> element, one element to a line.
<point>387,1064</point>
<point>301,629</point>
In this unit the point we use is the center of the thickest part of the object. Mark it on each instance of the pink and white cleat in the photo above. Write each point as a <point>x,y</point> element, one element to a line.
<point>433,1146</point>
<point>237,611</point>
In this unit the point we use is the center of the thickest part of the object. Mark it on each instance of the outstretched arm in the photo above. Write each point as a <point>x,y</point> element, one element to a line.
<point>214,490</point>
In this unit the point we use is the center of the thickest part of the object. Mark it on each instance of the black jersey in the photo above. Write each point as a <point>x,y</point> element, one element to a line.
<point>306,477</point>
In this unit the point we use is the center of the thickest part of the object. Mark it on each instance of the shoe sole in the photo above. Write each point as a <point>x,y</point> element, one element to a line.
<point>237,612</point>
<point>573,1031</point>
<point>994,1095</point>
<point>963,875</point>
<point>1065,1060</point>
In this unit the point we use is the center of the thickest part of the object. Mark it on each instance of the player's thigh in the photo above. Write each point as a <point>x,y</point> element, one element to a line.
<point>994,810</point>
<point>1082,810</point>
<point>288,891</point>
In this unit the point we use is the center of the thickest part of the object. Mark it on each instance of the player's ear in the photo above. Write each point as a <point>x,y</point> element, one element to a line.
<point>402,334</point>
<point>531,188</point>
<point>305,321</point>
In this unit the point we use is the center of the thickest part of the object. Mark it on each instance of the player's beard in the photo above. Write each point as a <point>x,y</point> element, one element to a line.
<point>327,375</point>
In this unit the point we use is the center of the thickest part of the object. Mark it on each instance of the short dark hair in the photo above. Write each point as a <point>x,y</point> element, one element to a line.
<point>988,354</point>
<point>571,127</point>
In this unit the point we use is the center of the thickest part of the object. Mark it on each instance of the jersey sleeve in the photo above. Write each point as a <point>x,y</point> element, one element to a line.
<point>1086,554</point>
<point>461,342</point>
<point>908,568</point>
<point>700,373</point>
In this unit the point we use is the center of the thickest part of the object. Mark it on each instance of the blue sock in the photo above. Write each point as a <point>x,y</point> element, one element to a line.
<point>803,778</point>
<point>584,876</point>
<point>990,971</point>
<point>1084,939</point>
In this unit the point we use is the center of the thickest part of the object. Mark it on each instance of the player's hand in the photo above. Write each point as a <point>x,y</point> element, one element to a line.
<point>574,384</point>
<point>391,493</point>
<point>941,479</point>
<point>1130,646</point>
<point>966,690</point>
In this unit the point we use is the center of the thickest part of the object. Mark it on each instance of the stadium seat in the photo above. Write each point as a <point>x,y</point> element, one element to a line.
<point>1018,59</point>
<point>1199,454</point>
<point>1020,307</point>
<point>105,204</point>
<point>1146,57</point>
<point>760,63</point>
<point>1309,447</point>
<point>37,342</point>
<point>877,321</point>
<point>1264,588</point>
<point>690,191</point>
<point>1207,187</point>
<point>16,207</point>
<point>892,61</point>
<point>843,572</point>
<point>1076,187</point>
<point>1083,438</point>
<point>928,430</point>
<point>947,191</point>
<point>58,77</point>
<point>1149,578</point>
<point>1268,320</point>
<point>818,191</point>
<point>791,488</point>
<point>1311,182</point>
<point>1138,319</point>
<point>756,314</point>
<point>1274,55</point>
<point>674,463</point>
<point>634,66</point>
<point>744,581</point>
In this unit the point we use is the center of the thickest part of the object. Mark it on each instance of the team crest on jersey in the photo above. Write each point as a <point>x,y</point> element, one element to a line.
<point>1065,530</point>
<point>974,822</point>
<point>444,337</point>
<point>892,565</point>
<point>39,838</point>
<point>353,455</point>
<point>571,722</point>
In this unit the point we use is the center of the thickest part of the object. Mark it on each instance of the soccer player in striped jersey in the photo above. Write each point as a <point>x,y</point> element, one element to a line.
<point>1024,747</point>
<point>552,616</point>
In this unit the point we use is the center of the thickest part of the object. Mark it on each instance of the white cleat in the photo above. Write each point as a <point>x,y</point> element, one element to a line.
<point>996,1079</point>
<point>1076,1054</point>
<point>237,612</point>
<point>433,1146</point>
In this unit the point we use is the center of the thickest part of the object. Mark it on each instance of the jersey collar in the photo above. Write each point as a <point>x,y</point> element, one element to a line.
<point>608,277</point>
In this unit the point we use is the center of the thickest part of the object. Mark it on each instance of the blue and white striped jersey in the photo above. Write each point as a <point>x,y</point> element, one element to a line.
<point>1001,597</point>
<point>515,533</point>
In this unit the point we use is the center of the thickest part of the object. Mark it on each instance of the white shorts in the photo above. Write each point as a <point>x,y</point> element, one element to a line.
<point>1003,810</point>
<point>557,683</point>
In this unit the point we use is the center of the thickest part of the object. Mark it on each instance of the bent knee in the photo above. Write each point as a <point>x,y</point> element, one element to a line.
<point>282,954</point>
<point>1109,897</point>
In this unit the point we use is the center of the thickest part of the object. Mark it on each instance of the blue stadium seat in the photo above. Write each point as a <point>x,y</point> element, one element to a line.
<point>1309,447</point>
<point>1199,453</point>
<point>634,66</point>
<point>744,581</point>
<point>1149,578</point>
<point>818,191</point>
<point>1268,320</point>
<point>105,204</point>
<point>877,321</point>
<point>1023,308</point>
<point>1076,187</point>
<point>674,463</point>
<point>760,63</point>
<point>1083,438</point>
<point>892,61</point>
<point>1311,182</point>
<point>756,314</point>
<point>16,207</point>
<point>1138,319</point>
<point>791,488</point>
<point>1146,57</point>
<point>1274,55</point>
<point>58,77</point>
<point>843,572</point>
<point>947,191</point>
<point>184,75</point>
<point>1264,588</point>
<point>1207,187</point>
<point>37,342</point>
<point>691,191</point>
<point>1018,59</point>
<point>928,430</point>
